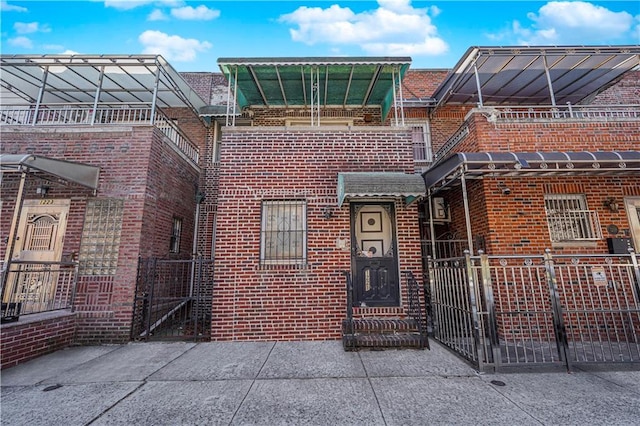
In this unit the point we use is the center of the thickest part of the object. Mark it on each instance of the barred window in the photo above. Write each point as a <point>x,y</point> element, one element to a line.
<point>570,220</point>
<point>176,231</point>
<point>101,237</point>
<point>284,233</point>
<point>421,143</point>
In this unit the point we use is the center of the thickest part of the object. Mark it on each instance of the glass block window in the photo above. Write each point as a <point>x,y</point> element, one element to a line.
<point>176,231</point>
<point>101,237</point>
<point>570,220</point>
<point>284,233</point>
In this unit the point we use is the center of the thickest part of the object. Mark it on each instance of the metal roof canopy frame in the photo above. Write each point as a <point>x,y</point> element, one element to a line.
<point>461,166</point>
<point>534,75</point>
<point>314,83</point>
<point>94,79</point>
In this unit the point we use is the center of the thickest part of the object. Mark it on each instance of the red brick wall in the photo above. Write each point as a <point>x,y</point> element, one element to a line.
<point>24,340</point>
<point>274,163</point>
<point>137,166</point>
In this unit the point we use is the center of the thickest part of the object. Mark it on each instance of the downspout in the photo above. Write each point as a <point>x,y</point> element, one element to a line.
<point>467,215</point>
<point>12,232</point>
<point>194,249</point>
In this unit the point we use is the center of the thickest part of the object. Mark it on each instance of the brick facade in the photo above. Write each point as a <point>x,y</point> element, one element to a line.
<point>271,163</point>
<point>137,165</point>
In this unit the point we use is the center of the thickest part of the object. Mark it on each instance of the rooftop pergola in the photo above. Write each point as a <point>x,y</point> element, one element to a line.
<point>126,80</point>
<point>534,75</point>
<point>315,82</point>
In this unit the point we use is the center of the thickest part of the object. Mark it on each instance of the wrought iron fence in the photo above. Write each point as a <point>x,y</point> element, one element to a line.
<point>173,299</point>
<point>499,311</point>
<point>34,287</point>
<point>415,308</point>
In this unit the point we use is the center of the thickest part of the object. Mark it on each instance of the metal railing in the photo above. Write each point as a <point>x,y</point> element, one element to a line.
<point>541,113</point>
<point>173,299</point>
<point>104,114</point>
<point>499,311</point>
<point>415,308</point>
<point>569,112</point>
<point>34,287</point>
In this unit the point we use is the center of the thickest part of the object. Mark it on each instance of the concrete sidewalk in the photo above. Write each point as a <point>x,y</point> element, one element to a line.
<point>298,383</point>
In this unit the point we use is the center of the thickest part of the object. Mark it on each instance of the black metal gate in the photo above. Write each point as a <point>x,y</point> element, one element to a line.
<point>173,300</point>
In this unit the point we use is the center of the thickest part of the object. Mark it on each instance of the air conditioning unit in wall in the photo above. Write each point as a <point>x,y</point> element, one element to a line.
<point>441,211</point>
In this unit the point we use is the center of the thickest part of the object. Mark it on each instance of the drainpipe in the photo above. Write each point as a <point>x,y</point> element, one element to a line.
<point>12,232</point>
<point>196,227</point>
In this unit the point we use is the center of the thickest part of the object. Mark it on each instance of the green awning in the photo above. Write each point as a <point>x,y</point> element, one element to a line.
<point>409,187</point>
<point>340,81</point>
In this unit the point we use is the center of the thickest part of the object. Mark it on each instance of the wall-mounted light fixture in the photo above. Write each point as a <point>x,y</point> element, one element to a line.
<point>611,204</point>
<point>42,190</point>
<point>327,212</point>
<point>503,187</point>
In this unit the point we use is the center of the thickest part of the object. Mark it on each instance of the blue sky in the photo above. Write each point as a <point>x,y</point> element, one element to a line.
<point>192,35</point>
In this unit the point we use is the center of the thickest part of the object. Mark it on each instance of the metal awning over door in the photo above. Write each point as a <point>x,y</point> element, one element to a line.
<point>475,165</point>
<point>409,187</point>
<point>83,174</point>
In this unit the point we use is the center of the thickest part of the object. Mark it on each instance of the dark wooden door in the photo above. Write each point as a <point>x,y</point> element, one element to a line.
<point>374,255</point>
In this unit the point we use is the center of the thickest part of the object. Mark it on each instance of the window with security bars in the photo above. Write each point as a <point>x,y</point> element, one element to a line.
<point>284,233</point>
<point>176,231</point>
<point>421,143</point>
<point>570,220</point>
<point>101,237</point>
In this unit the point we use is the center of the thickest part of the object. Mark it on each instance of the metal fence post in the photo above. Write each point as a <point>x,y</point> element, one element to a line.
<point>487,287</point>
<point>556,307</point>
<point>636,271</point>
<point>474,309</point>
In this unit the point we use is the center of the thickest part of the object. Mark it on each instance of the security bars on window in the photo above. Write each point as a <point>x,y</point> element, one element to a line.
<point>284,233</point>
<point>569,219</point>
<point>176,231</point>
<point>101,237</point>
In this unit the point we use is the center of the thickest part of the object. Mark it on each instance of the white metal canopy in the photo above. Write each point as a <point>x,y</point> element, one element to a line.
<point>83,174</point>
<point>88,79</point>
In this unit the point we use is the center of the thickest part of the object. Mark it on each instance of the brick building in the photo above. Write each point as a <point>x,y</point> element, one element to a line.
<point>316,174</point>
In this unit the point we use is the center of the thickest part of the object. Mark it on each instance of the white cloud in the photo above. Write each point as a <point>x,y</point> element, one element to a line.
<point>6,7</point>
<point>573,22</point>
<point>200,13</point>
<point>53,47</point>
<point>172,47</point>
<point>132,4</point>
<point>157,15</point>
<point>30,27</point>
<point>395,27</point>
<point>23,42</point>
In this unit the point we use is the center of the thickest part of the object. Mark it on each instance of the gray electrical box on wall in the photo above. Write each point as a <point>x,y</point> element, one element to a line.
<point>619,245</point>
